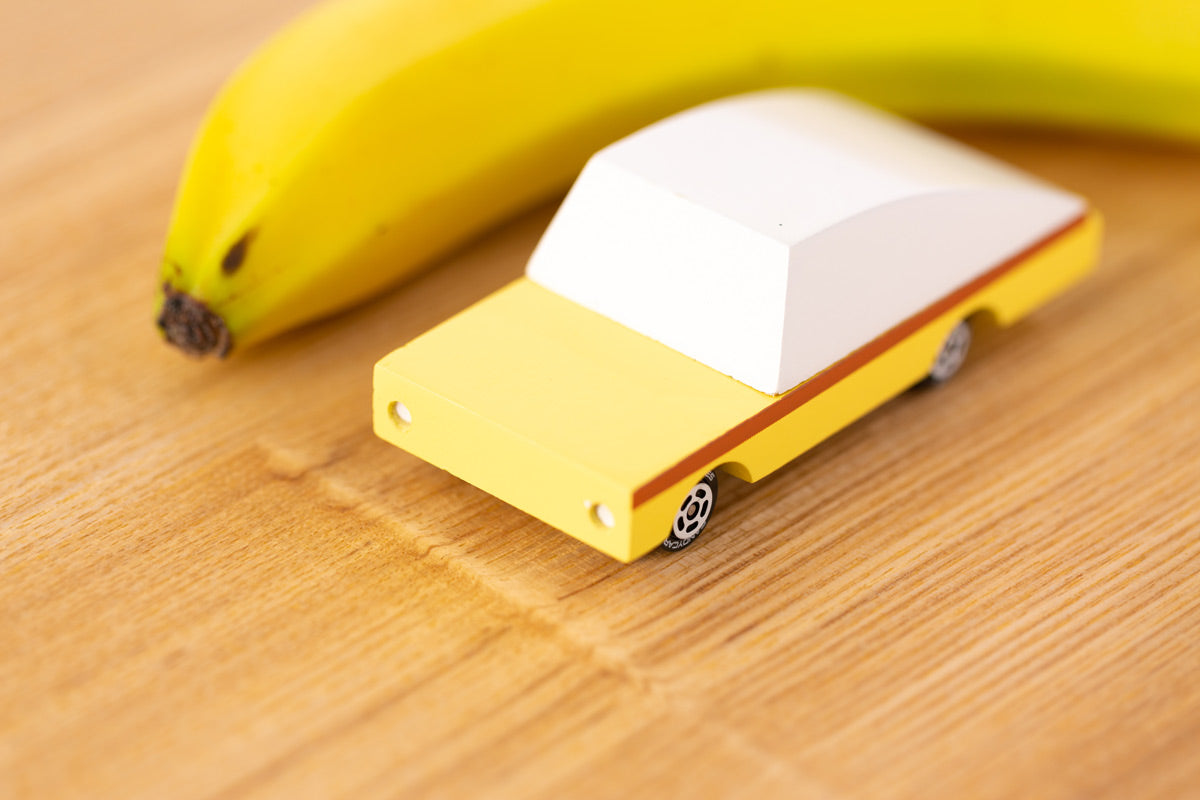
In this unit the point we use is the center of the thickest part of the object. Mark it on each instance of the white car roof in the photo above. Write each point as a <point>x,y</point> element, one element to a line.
<point>769,234</point>
<point>787,164</point>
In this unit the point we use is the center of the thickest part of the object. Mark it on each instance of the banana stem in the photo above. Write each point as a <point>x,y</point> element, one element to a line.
<point>191,326</point>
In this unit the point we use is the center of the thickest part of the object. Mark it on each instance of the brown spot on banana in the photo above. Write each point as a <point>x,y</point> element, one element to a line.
<point>191,325</point>
<point>236,254</point>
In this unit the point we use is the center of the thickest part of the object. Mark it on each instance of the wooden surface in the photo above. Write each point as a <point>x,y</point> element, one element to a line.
<point>216,583</point>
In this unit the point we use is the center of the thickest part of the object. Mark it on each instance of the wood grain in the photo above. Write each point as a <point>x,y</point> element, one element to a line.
<point>216,583</point>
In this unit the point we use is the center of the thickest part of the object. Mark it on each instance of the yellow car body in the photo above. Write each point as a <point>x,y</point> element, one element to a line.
<point>601,432</point>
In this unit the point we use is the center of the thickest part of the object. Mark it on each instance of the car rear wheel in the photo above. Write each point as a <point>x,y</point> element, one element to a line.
<point>952,355</point>
<point>693,514</point>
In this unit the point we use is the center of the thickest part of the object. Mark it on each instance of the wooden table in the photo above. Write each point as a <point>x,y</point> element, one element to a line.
<point>216,582</point>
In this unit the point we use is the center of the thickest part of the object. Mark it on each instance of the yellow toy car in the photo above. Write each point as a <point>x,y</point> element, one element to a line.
<point>718,293</point>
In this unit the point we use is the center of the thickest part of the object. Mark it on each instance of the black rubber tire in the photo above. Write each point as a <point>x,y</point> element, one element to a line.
<point>694,514</point>
<point>952,355</point>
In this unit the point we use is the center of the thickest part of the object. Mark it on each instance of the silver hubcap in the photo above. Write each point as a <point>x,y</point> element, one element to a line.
<point>694,513</point>
<point>953,353</point>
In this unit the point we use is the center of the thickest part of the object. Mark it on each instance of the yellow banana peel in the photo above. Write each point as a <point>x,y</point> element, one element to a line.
<point>370,136</point>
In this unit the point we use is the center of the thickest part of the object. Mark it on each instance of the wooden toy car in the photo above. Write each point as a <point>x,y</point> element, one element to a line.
<point>718,293</point>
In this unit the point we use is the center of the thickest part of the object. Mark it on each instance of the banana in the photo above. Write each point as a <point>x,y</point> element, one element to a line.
<point>371,136</point>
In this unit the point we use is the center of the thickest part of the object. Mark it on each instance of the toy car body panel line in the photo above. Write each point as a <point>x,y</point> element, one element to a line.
<point>601,430</point>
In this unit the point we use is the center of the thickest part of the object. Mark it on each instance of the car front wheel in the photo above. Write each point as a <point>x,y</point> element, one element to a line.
<point>693,514</point>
